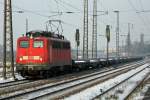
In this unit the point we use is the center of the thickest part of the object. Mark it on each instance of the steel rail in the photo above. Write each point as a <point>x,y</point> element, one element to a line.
<point>14,83</point>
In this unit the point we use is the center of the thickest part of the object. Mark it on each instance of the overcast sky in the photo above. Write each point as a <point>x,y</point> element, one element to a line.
<point>37,12</point>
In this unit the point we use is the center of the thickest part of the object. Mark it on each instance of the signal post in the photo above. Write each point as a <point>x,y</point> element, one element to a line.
<point>108,40</point>
<point>77,38</point>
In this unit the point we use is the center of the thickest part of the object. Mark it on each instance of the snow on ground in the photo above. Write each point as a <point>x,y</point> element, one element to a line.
<point>1,69</point>
<point>92,92</point>
<point>128,86</point>
<point>10,78</point>
<point>19,77</point>
<point>139,95</point>
<point>7,80</point>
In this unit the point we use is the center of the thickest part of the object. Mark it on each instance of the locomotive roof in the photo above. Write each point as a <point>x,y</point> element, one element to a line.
<point>39,33</point>
<point>43,34</point>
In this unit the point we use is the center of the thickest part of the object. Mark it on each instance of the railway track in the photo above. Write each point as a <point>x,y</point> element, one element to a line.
<point>51,88</point>
<point>118,89</point>
<point>147,92</point>
<point>129,96</point>
<point>141,91</point>
<point>14,83</point>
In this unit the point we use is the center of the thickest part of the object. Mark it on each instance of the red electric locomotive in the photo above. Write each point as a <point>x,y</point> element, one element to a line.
<point>42,53</point>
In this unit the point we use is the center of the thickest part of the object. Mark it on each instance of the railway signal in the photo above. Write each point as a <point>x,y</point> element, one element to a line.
<point>108,40</point>
<point>108,33</point>
<point>77,38</point>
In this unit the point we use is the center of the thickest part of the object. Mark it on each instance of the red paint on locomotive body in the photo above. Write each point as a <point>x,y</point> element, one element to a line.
<point>31,54</point>
<point>42,53</point>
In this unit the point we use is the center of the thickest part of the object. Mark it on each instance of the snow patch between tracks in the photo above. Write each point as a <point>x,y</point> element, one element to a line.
<point>92,92</point>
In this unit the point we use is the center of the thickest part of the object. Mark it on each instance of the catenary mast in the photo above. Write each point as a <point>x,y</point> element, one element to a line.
<point>85,30</point>
<point>117,36</point>
<point>8,57</point>
<point>94,34</point>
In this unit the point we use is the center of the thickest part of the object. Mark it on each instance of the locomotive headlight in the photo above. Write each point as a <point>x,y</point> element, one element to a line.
<point>20,59</point>
<point>41,59</point>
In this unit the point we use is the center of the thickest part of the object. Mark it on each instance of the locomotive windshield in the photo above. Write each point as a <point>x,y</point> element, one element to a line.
<point>24,44</point>
<point>38,44</point>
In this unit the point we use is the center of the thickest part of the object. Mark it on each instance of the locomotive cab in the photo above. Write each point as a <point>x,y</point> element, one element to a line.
<point>31,54</point>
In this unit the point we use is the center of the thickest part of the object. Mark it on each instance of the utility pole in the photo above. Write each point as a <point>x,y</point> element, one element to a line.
<point>85,31</point>
<point>8,58</point>
<point>124,46</point>
<point>142,45</point>
<point>117,35</point>
<point>94,34</point>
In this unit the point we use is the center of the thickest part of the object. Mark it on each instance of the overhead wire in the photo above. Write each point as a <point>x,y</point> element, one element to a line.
<point>142,7</point>
<point>68,10</point>
<point>138,14</point>
<point>58,8</point>
<point>70,5</point>
<point>63,4</point>
<point>22,10</point>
